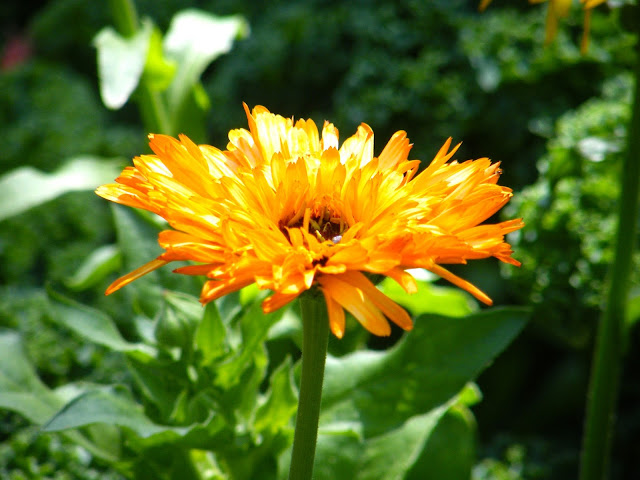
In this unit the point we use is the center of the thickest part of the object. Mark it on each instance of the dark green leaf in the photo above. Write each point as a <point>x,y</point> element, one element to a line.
<point>449,453</point>
<point>429,366</point>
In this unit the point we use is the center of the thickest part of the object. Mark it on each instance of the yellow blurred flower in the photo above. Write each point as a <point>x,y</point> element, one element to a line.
<point>290,210</point>
<point>559,9</point>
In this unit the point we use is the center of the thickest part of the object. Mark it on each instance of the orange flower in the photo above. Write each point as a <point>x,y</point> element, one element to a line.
<point>588,6</point>
<point>288,209</point>
<point>560,9</point>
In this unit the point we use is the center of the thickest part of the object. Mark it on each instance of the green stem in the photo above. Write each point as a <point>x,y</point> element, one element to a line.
<point>152,109</point>
<point>315,337</point>
<point>603,387</point>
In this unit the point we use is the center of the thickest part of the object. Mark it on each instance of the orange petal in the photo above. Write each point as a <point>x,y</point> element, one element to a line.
<point>214,289</point>
<point>391,309</point>
<point>404,279</point>
<point>459,282</point>
<point>276,301</point>
<point>336,315</point>
<point>356,302</point>
<point>137,273</point>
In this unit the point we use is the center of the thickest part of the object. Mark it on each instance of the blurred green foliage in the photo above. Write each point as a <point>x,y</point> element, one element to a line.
<point>572,207</point>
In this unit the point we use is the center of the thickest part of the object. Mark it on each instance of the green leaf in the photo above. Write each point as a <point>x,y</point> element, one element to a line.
<point>121,62</point>
<point>280,405</point>
<point>429,366</point>
<point>430,298</point>
<point>211,335</point>
<point>388,456</point>
<point>26,187</point>
<point>160,380</point>
<point>254,325</point>
<point>180,316</point>
<point>196,38</point>
<point>16,372</point>
<point>20,388</point>
<point>449,453</point>
<point>106,406</point>
<point>398,398</point>
<point>97,266</point>
<point>91,324</point>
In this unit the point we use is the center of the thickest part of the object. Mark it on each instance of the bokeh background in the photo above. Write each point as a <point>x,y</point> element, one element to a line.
<point>556,120</point>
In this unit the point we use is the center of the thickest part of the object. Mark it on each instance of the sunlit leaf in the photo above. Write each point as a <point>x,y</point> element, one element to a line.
<point>196,38</point>
<point>430,298</point>
<point>121,62</point>
<point>26,187</point>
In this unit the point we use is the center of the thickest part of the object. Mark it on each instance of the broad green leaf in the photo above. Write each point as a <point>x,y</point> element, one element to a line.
<point>98,265</point>
<point>388,456</point>
<point>36,408</point>
<point>430,298</point>
<point>196,38</point>
<point>430,365</point>
<point>281,401</point>
<point>16,372</point>
<point>449,453</point>
<point>91,324</point>
<point>211,335</point>
<point>20,388</point>
<point>106,406</point>
<point>26,187</point>
<point>121,62</point>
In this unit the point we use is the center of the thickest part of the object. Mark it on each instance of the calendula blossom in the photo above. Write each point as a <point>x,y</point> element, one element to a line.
<point>290,210</point>
<point>559,9</point>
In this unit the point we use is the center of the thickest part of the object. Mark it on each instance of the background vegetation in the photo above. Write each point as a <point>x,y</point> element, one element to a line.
<point>556,120</point>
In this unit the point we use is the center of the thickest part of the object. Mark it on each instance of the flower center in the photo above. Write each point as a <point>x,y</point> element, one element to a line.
<point>321,221</point>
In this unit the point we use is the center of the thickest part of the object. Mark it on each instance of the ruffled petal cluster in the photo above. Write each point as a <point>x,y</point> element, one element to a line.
<point>289,209</point>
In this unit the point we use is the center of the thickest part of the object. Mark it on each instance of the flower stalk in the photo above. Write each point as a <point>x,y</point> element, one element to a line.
<point>315,337</point>
<point>605,373</point>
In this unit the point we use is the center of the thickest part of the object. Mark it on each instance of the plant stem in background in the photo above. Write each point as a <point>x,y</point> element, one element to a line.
<point>152,108</point>
<point>315,337</point>
<point>603,387</point>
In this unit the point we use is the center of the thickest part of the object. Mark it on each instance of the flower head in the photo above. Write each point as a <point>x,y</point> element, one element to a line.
<point>289,210</point>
